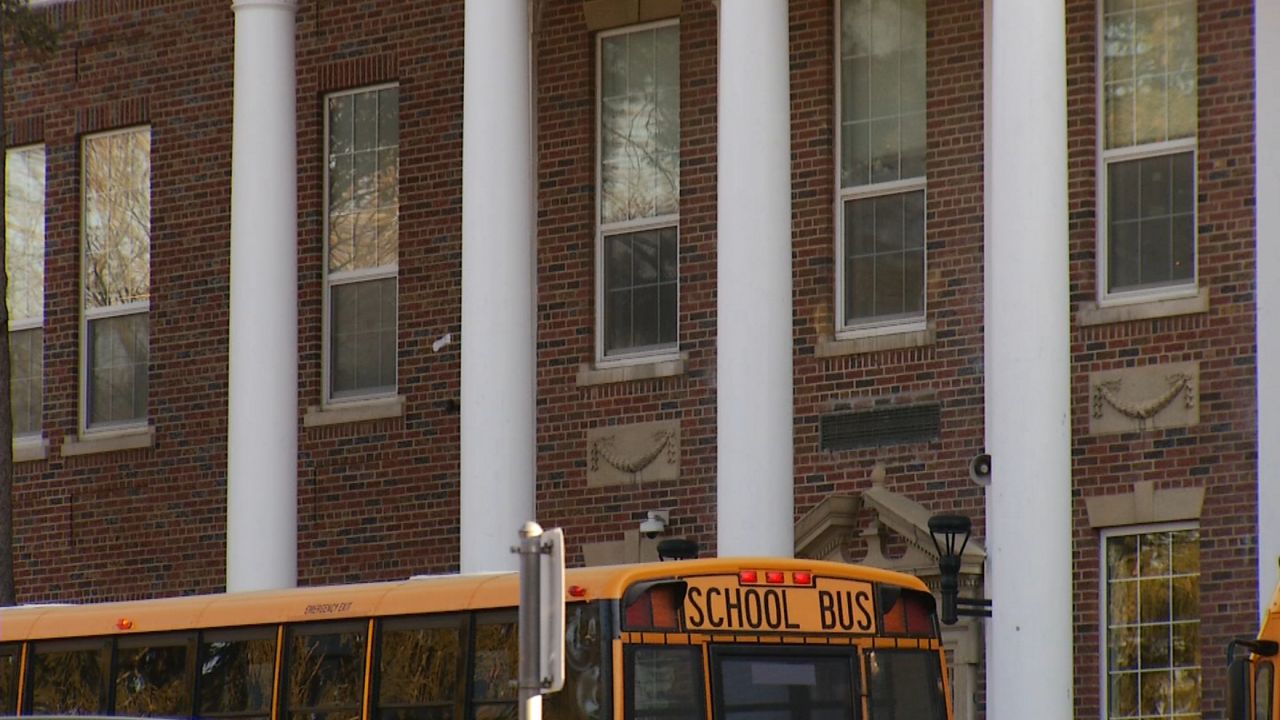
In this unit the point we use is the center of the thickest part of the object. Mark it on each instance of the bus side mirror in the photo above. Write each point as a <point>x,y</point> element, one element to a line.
<point>1238,685</point>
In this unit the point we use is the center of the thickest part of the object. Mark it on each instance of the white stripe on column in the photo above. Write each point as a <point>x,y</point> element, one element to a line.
<point>1267,241</point>
<point>262,406</point>
<point>755,486</point>
<point>1028,365</point>
<point>498,309</point>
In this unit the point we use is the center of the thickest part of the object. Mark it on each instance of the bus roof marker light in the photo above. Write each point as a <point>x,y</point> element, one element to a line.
<point>577,591</point>
<point>802,577</point>
<point>124,624</point>
<point>748,577</point>
<point>775,577</point>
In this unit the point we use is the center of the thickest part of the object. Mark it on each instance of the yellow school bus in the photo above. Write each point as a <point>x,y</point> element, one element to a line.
<point>707,639</point>
<point>1252,679</point>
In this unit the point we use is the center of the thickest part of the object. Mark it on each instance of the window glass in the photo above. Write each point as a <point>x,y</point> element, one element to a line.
<point>585,681</point>
<point>152,677</point>
<point>665,682</point>
<point>1262,690</point>
<point>237,671</point>
<point>882,148</point>
<point>905,685</point>
<point>117,275</point>
<point>9,655</point>
<point>639,189</point>
<point>1148,82</point>
<point>326,671</point>
<point>787,688</point>
<point>363,240</point>
<point>1153,624</point>
<point>419,670</point>
<point>494,669</point>
<point>68,678</point>
<point>24,259</point>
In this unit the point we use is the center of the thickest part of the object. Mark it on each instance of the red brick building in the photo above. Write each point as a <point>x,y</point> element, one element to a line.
<point>1040,245</point>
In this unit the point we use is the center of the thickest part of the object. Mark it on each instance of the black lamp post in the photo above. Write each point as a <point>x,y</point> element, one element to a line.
<point>950,531</point>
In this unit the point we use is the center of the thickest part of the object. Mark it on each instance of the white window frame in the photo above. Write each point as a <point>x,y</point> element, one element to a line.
<point>36,322</point>
<point>1104,620</point>
<point>1105,157</point>
<point>844,330</point>
<point>604,231</point>
<point>349,277</point>
<point>87,314</point>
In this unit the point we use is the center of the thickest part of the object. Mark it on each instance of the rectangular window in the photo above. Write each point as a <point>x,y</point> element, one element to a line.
<point>1148,148</point>
<point>1152,605</point>
<point>24,260</point>
<point>362,150</point>
<point>116,283</point>
<point>639,192</point>
<point>881,268</point>
<point>236,671</point>
<point>325,671</point>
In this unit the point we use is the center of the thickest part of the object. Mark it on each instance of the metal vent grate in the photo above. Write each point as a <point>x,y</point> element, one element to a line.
<point>886,426</point>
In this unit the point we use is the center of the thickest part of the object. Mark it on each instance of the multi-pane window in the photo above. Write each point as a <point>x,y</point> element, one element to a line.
<point>639,191</point>
<point>881,276</point>
<point>116,284</point>
<point>1152,601</point>
<point>24,259</point>
<point>1149,146</point>
<point>362,241</point>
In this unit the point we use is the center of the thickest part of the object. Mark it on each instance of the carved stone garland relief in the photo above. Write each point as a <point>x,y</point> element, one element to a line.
<point>1145,398</point>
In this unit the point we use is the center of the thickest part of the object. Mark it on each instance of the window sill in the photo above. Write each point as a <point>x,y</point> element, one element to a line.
<point>901,340</point>
<point>589,374</point>
<point>1095,314</point>
<point>355,411</point>
<point>135,438</point>
<point>30,449</point>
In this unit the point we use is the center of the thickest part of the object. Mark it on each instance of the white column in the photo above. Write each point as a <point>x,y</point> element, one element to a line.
<point>1027,364</point>
<point>262,423</point>
<point>1266,64</point>
<point>498,303</point>
<point>755,486</point>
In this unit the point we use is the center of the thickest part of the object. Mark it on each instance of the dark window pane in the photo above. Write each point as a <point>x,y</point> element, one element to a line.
<point>1184,184</point>
<point>889,285</point>
<point>68,679</point>
<point>913,282</point>
<point>665,683</point>
<point>117,391</point>
<point>1156,186</point>
<point>670,255</point>
<point>152,680</point>
<point>617,320</point>
<point>1156,260</point>
<point>9,679</point>
<point>859,227</point>
<point>646,311</point>
<point>861,291</point>
<point>237,670</point>
<point>889,224</point>
<point>363,337</point>
<point>913,220</point>
<point>667,315</point>
<point>1151,226</point>
<point>905,685</point>
<point>645,258</point>
<point>326,671</point>
<point>496,661</point>
<point>1124,260</point>
<point>420,671</point>
<point>1123,191</point>
<point>640,289</point>
<point>1183,250</point>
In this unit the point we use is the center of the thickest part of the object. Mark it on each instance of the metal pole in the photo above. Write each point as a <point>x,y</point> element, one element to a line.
<point>530,597</point>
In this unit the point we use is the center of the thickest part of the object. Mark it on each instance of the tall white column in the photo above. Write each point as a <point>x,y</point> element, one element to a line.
<point>1266,66</point>
<point>755,486</point>
<point>498,303</point>
<point>1027,364</point>
<point>262,423</point>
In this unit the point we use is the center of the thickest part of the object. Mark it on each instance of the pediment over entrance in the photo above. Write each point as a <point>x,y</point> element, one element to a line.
<point>881,528</point>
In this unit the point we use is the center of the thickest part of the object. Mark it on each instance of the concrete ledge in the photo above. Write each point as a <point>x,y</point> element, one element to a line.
<point>913,338</point>
<point>30,449</point>
<point>589,374</point>
<point>1095,314</point>
<point>110,441</point>
<point>359,411</point>
<point>1145,505</point>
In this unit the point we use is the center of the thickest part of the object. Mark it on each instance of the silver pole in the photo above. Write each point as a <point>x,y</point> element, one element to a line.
<point>530,597</point>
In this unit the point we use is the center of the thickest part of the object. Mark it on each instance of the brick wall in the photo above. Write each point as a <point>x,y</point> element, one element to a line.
<point>379,499</point>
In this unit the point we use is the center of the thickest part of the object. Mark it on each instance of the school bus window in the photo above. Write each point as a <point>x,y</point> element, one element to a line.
<point>785,685</point>
<point>666,683</point>
<point>325,664</point>
<point>905,685</point>
<point>419,669</point>
<point>153,675</point>
<point>1262,690</point>
<point>495,664</point>
<point>9,679</point>
<point>237,672</point>
<point>69,678</point>
<point>586,678</point>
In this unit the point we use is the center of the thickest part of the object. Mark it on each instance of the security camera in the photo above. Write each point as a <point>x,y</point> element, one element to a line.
<point>980,469</point>
<point>652,526</point>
